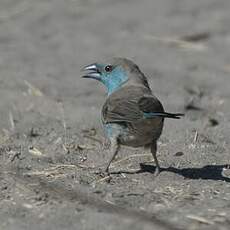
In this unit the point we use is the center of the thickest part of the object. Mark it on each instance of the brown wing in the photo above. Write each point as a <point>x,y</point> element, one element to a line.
<point>150,104</point>
<point>128,105</point>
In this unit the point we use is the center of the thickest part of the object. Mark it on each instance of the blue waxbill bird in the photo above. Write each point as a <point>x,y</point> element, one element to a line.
<point>131,114</point>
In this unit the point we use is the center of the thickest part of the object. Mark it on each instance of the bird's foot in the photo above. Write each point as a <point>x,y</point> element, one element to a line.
<point>106,145</point>
<point>157,171</point>
<point>106,171</point>
<point>103,172</point>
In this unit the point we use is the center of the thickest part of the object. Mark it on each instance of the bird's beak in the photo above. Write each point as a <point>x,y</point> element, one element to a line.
<point>93,72</point>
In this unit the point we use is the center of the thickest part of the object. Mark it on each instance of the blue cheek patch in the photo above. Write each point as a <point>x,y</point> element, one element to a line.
<point>114,80</point>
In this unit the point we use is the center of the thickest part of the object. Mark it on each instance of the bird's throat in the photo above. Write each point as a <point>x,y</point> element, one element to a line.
<point>113,85</point>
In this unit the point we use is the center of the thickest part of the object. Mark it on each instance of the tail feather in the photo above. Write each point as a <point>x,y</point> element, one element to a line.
<point>172,115</point>
<point>164,115</point>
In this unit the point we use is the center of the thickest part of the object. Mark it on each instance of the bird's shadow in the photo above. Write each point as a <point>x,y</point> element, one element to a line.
<point>208,172</point>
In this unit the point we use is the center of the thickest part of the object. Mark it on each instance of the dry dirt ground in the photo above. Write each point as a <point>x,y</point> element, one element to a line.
<point>51,141</point>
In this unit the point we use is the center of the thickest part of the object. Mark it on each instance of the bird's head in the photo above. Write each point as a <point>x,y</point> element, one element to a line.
<point>115,73</point>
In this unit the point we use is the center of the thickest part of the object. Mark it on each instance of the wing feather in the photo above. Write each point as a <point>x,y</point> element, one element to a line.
<point>129,104</point>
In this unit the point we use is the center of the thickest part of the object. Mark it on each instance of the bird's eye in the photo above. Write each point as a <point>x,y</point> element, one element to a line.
<point>108,68</point>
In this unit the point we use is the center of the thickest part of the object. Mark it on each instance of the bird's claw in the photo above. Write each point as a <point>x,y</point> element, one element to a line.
<point>157,172</point>
<point>103,172</point>
<point>106,145</point>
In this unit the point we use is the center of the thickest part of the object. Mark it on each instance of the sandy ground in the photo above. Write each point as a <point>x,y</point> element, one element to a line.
<point>50,133</point>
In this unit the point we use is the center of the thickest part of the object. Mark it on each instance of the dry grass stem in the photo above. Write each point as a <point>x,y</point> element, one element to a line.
<point>178,42</point>
<point>200,219</point>
<point>131,156</point>
<point>11,119</point>
<point>195,137</point>
<point>32,90</point>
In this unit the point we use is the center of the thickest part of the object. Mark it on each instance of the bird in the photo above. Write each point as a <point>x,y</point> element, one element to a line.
<point>131,115</point>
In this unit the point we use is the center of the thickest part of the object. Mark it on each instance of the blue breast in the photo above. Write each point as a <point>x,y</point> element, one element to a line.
<point>114,130</point>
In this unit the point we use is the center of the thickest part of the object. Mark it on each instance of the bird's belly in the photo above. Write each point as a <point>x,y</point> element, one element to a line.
<point>136,134</point>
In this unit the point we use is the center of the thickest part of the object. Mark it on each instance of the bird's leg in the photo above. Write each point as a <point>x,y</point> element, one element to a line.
<point>114,148</point>
<point>154,153</point>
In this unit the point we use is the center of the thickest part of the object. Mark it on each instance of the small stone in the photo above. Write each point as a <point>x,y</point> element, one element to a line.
<point>178,154</point>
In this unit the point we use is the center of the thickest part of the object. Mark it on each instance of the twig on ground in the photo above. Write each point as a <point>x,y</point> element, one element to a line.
<point>93,138</point>
<point>200,219</point>
<point>128,157</point>
<point>195,137</point>
<point>32,90</point>
<point>106,178</point>
<point>11,119</point>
